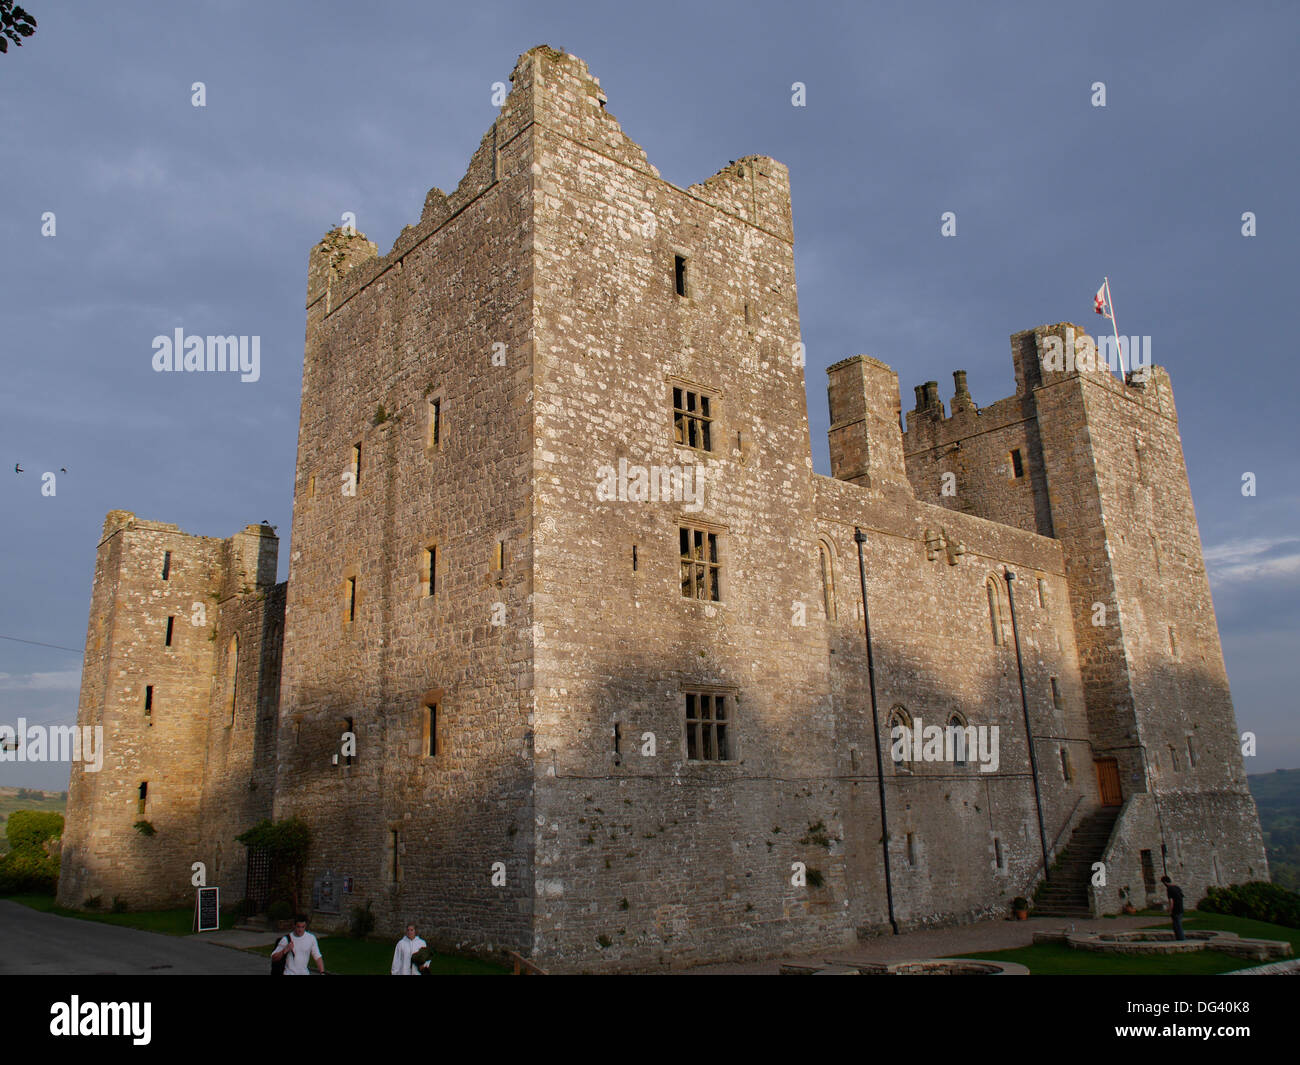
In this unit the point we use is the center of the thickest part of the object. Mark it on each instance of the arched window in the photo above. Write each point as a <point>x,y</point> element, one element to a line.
<point>900,738</point>
<point>824,558</point>
<point>232,667</point>
<point>960,740</point>
<point>995,610</point>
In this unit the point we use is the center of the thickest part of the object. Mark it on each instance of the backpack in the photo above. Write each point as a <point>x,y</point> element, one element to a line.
<point>277,964</point>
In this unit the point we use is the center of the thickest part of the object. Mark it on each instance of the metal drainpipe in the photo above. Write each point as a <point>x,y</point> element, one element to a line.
<point>1029,732</point>
<point>860,538</point>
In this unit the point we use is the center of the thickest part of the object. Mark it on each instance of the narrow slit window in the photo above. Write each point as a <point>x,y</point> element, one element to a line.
<point>352,598</point>
<point>167,566</point>
<point>431,565</point>
<point>395,842</point>
<point>1067,774</point>
<point>1191,754</point>
<point>1056,692</point>
<point>431,729</point>
<point>618,742</point>
<point>998,858</point>
<point>679,274</point>
<point>141,797</point>
<point>435,423</point>
<point>148,703</point>
<point>911,848</point>
<point>171,621</point>
<point>634,558</point>
<point>1042,592</point>
<point>1017,464</point>
<point>356,464</point>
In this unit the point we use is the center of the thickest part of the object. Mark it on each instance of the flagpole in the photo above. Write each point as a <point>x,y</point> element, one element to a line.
<point>1114,329</point>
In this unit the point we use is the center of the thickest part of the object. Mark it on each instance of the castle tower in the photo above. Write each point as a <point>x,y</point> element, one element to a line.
<point>179,707</point>
<point>1097,462</point>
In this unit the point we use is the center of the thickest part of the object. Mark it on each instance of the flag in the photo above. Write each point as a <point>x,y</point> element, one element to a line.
<point>1100,301</point>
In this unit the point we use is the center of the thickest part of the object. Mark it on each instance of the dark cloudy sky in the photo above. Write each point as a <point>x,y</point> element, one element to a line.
<point>174,216</point>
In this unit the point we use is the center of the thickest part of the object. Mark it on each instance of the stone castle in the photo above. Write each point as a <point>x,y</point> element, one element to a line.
<point>623,725</point>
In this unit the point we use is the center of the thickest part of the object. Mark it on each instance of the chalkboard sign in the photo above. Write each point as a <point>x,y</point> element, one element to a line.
<point>209,909</point>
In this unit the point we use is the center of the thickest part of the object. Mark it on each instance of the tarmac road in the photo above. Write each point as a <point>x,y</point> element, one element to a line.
<point>35,943</point>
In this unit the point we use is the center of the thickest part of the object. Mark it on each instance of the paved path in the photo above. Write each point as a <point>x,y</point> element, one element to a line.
<point>32,942</point>
<point>938,942</point>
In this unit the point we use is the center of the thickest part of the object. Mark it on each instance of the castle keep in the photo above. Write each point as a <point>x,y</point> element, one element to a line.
<point>615,730</point>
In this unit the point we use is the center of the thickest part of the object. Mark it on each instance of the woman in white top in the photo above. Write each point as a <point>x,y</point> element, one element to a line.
<point>406,946</point>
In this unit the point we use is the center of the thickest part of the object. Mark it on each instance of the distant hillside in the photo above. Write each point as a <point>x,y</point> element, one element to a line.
<point>1277,795</point>
<point>12,799</point>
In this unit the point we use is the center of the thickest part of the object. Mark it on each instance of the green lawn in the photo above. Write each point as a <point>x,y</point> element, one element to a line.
<point>1052,959</point>
<point>168,922</point>
<point>370,957</point>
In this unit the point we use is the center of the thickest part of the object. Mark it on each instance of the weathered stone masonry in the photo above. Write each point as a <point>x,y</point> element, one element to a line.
<point>455,566</point>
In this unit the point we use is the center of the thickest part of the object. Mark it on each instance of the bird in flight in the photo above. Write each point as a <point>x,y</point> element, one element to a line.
<point>17,468</point>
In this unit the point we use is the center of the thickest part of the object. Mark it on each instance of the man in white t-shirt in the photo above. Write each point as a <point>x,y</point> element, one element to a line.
<point>298,948</point>
<point>406,946</point>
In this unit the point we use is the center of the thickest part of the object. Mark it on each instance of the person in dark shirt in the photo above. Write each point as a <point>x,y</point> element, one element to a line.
<point>1175,905</point>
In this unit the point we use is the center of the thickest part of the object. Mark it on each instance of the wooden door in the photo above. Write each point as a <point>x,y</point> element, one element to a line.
<point>1108,781</point>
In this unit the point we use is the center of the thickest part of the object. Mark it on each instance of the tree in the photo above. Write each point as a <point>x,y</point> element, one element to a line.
<point>15,24</point>
<point>287,843</point>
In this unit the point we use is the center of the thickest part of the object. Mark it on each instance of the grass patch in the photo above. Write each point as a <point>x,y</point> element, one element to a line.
<point>374,957</point>
<point>1054,959</point>
<point>167,922</point>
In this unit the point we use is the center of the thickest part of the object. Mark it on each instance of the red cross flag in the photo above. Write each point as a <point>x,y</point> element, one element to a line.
<point>1101,302</point>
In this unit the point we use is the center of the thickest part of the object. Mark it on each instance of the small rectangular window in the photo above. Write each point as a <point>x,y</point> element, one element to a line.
<point>1056,692</point>
<point>148,702</point>
<point>618,742</point>
<point>998,858</point>
<point>431,567</point>
<point>395,842</point>
<point>435,423</point>
<point>1067,773</point>
<point>142,797</point>
<point>700,564</point>
<point>692,419</point>
<point>356,465</point>
<point>679,274</point>
<point>167,566</point>
<point>1017,464</point>
<point>1191,754</point>
<point>352,598</point>
<point>911,848</point>
<point>708,725</point>
<point>499,556</point>
<point>1042,592</point>
<point>168,639</point>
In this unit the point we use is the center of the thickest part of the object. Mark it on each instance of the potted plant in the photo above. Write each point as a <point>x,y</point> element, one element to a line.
<point>1020,907</point>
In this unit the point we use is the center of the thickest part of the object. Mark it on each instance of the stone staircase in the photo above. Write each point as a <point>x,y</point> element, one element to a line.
<point>1066,894</point>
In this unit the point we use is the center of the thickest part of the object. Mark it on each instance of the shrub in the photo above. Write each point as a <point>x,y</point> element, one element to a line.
<point>31,828</point>
<point>29,869</point>
<point>145,828</point>
<point>363,921</point>
<point>93,902</point>
<point>287,844</point>
<point>1258,900</point>
<point>119,904</point>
